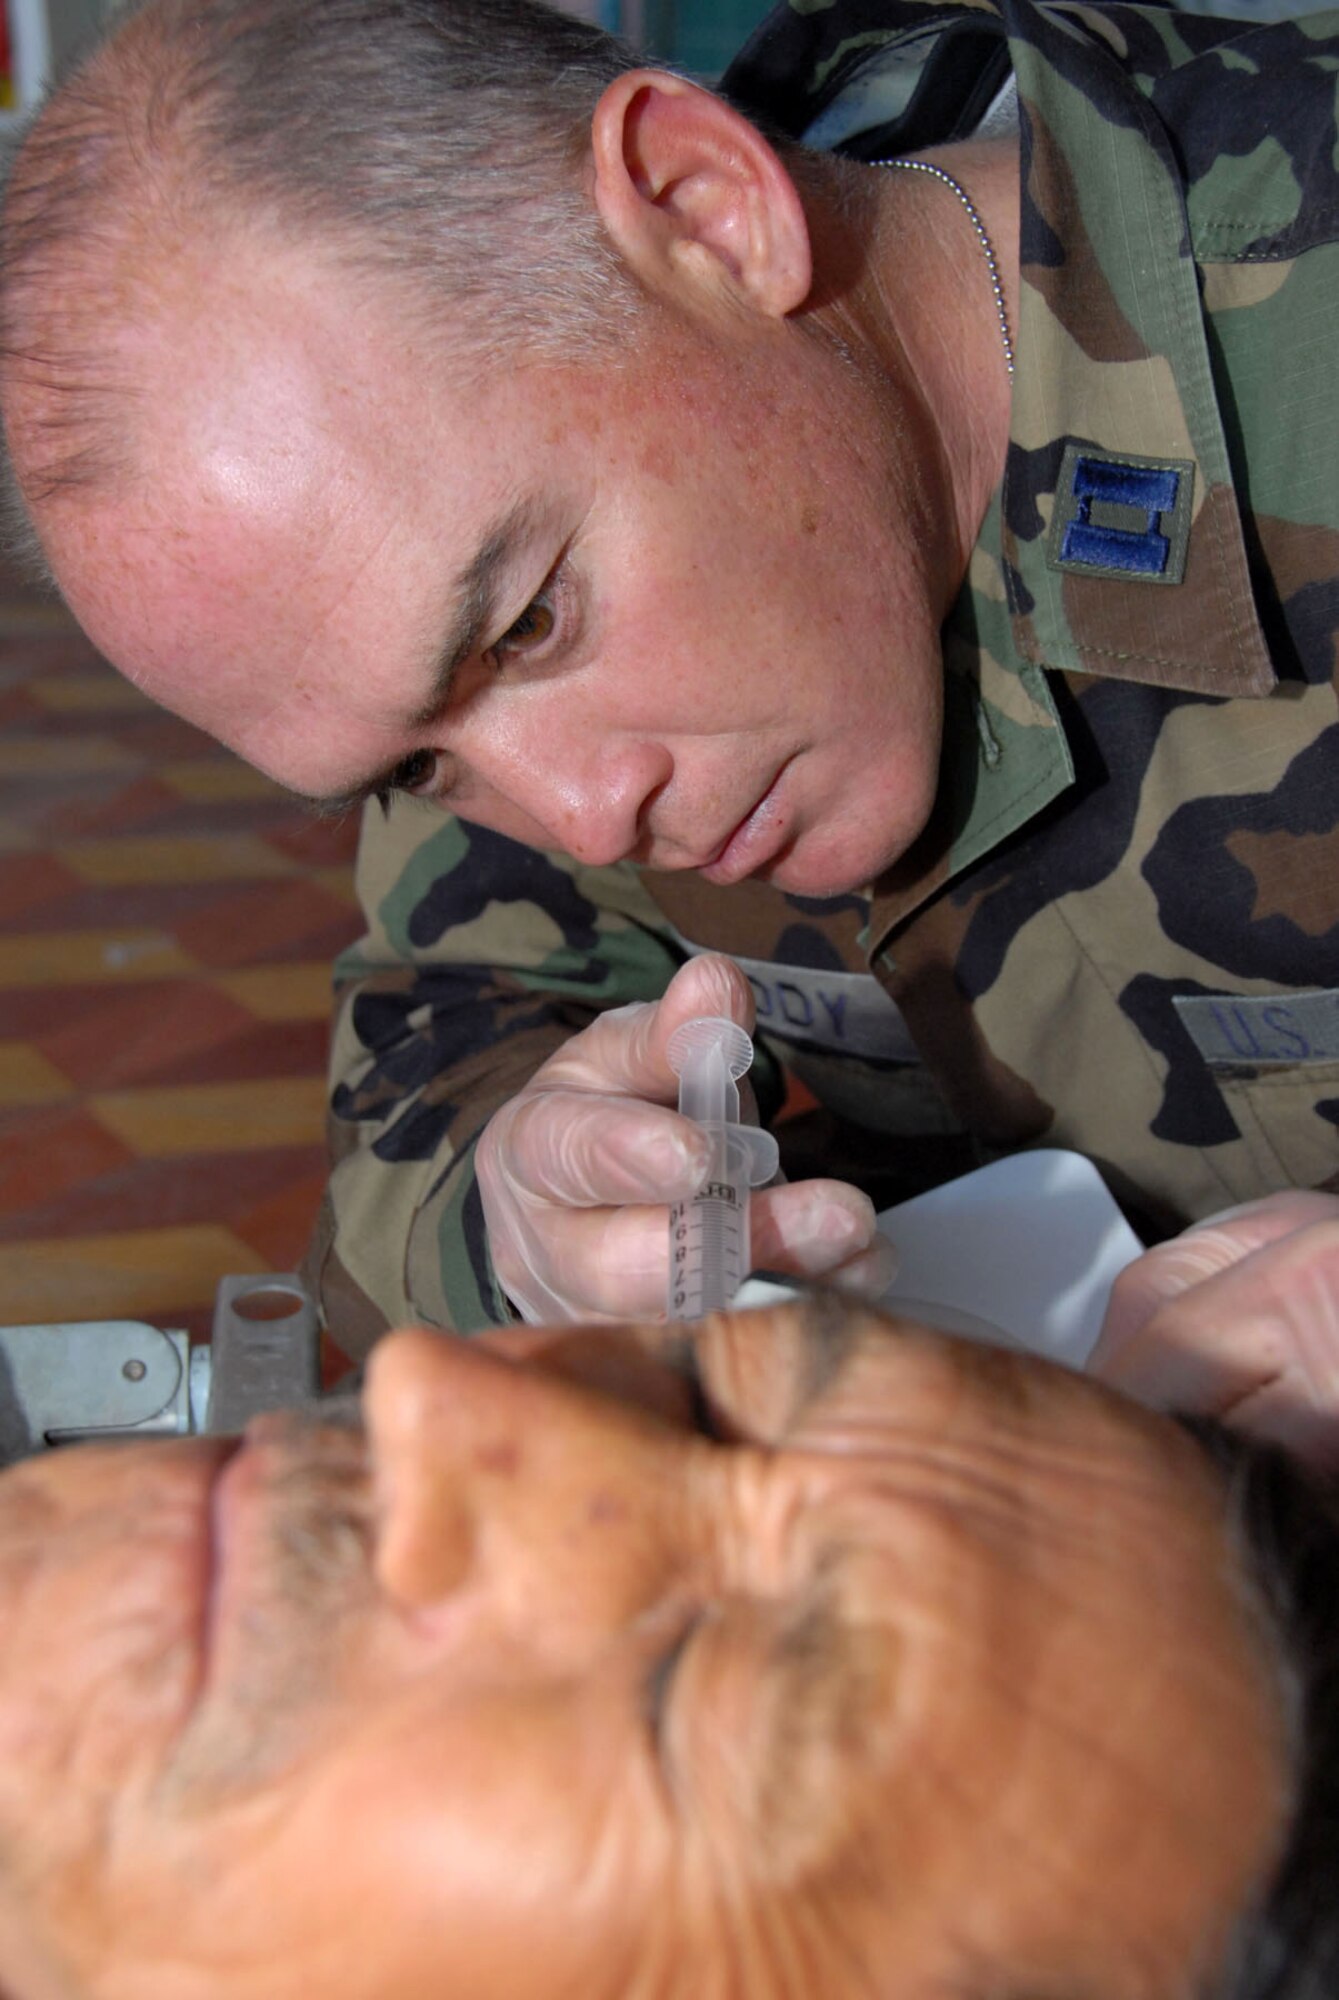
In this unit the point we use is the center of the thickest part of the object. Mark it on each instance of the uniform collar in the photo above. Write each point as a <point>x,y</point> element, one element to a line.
<point>1123,542</point>
<point>1118,460</point>
<point>1004,753</point>
<point>1116,442</point>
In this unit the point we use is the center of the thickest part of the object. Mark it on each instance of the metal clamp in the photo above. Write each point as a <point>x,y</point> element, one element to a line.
<point>117,1378</point>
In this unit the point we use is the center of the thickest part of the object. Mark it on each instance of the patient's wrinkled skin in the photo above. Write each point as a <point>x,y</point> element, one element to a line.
<point>872,1663</point>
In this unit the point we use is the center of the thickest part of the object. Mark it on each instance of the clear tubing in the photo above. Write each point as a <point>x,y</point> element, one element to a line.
<point>709,1232</point>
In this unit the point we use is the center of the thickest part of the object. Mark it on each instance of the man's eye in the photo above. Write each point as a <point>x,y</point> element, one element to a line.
<point>413,773</point>
<point>532,629</point>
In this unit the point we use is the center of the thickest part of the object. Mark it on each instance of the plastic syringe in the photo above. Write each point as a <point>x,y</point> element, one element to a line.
<point>709,1232</point>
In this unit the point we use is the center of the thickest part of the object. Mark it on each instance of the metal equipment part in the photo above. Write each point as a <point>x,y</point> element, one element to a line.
<point>123,1378</point>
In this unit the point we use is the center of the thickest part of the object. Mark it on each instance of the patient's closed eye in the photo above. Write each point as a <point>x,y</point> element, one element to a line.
<point>659,1685</point>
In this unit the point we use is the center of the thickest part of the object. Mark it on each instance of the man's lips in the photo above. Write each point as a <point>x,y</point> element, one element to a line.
<point>755,841</point>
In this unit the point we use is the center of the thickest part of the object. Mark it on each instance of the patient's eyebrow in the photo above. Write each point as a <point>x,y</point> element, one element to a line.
<point>474,593</point>
<point>822,1695</point>
<point>832,1331</point>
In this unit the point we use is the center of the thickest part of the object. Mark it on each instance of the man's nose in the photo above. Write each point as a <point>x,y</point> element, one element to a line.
<point>547,778</point>
<point>558,1503</point>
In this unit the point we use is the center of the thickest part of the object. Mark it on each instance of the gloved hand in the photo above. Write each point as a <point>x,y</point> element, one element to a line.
<point>1237,1318</point>
<point>578,1170</point>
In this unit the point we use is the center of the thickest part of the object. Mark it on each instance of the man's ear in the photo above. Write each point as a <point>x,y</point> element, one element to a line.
<point>695,198</point>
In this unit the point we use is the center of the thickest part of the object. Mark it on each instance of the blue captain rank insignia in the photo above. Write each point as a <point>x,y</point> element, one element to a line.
<point>1121,517</point>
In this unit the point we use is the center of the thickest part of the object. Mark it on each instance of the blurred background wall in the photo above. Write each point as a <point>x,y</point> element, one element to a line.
<point>699,35</point>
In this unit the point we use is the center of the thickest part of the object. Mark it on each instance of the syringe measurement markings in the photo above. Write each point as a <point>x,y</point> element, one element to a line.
<point>709,1234</point>
<point>709,1247</point>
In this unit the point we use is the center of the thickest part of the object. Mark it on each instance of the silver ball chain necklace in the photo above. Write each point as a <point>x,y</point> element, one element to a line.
<point>974,217</point>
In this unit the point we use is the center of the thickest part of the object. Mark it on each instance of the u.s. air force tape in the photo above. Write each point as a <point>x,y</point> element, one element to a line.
<point>1232,1031</point>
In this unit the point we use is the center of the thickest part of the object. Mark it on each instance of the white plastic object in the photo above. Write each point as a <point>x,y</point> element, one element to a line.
<point>1023,1252</point>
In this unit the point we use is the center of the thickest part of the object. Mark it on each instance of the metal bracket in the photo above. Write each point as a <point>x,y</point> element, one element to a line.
<point>118,1378</point>
<point>266,1350</point>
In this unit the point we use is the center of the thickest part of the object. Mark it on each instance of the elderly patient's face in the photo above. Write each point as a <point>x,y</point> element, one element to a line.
<point>909,1662</point>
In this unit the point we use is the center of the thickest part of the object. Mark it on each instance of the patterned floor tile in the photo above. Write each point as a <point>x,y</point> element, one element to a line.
<point>59,806</point>
<point>130,906</point>
<point>300,992</point>
<point>215,1117</point>
<point>78,956</point>
<point>123,1274</point>
<point>278,1188</point>
<point>218,778</point>
<point>29,759</point>
<point>158,737</point>
<point>318,842</point>
<point>168,921</point>
<point>339,883</point>
<point>18,710</point>
<point>263,922</point>
<point>158,858</point>
<point>88,691</point>
<point>255,1051</point>
<point>144,804</point>
<point>273,1226</point>
<point>46,1157</point>
<point>157,1031</point>
<point>30,884</point>
<point>27,1077</point>
<point>34,1013</point>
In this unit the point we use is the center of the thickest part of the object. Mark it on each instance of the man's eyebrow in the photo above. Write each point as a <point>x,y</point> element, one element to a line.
<point>475,594</point>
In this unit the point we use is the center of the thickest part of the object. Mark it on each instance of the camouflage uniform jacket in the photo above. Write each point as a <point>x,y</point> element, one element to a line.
<point>1120,931</point>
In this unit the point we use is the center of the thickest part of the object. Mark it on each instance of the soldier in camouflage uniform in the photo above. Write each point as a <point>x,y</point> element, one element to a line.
<point>1116,931</point>
<point>1120,931</point>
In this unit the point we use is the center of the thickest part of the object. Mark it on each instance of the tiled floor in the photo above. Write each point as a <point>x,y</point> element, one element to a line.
<point>167,925</point>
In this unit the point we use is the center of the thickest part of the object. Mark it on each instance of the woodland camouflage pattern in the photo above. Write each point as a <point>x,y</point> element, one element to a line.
<point>1133,868</point>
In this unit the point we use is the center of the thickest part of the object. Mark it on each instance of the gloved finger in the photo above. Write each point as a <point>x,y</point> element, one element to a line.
<point>612,1263</point>
<point>1253,1223</point>
<point>587,1150</point>
<point>1208,1247</point>
<point>625,1049</point>
<point>811,1228</point>
<point>869,1274</point>
<point>592,1264</point>
<point>1306,1427</point>
<point>1262,1334</point>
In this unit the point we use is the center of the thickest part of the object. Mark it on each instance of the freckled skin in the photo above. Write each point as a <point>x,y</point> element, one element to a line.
<point>918,1681</point>
<point>752,600</point>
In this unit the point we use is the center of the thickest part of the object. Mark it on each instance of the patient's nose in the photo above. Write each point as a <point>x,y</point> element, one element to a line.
<point>560,1504</point>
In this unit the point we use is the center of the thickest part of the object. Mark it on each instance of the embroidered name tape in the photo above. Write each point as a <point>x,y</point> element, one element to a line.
<point>1233,1032</point>
<point>1124,517</point>
<point>825,1010</point>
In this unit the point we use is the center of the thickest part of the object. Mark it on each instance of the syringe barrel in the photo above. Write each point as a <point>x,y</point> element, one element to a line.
<point>709,1234</point>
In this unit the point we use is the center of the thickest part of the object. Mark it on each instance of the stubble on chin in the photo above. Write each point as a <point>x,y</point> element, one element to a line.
<point>308,1577</point>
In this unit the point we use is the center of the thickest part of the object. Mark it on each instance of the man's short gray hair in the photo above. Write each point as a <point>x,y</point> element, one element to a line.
<point>438,145</point>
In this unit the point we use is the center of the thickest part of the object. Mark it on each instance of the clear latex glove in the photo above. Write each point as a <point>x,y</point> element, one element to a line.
<point>1237,1318</point>
<point>577,1172</point>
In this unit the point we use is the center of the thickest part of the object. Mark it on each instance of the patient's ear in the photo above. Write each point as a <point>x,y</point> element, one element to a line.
<point>695,199</point>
